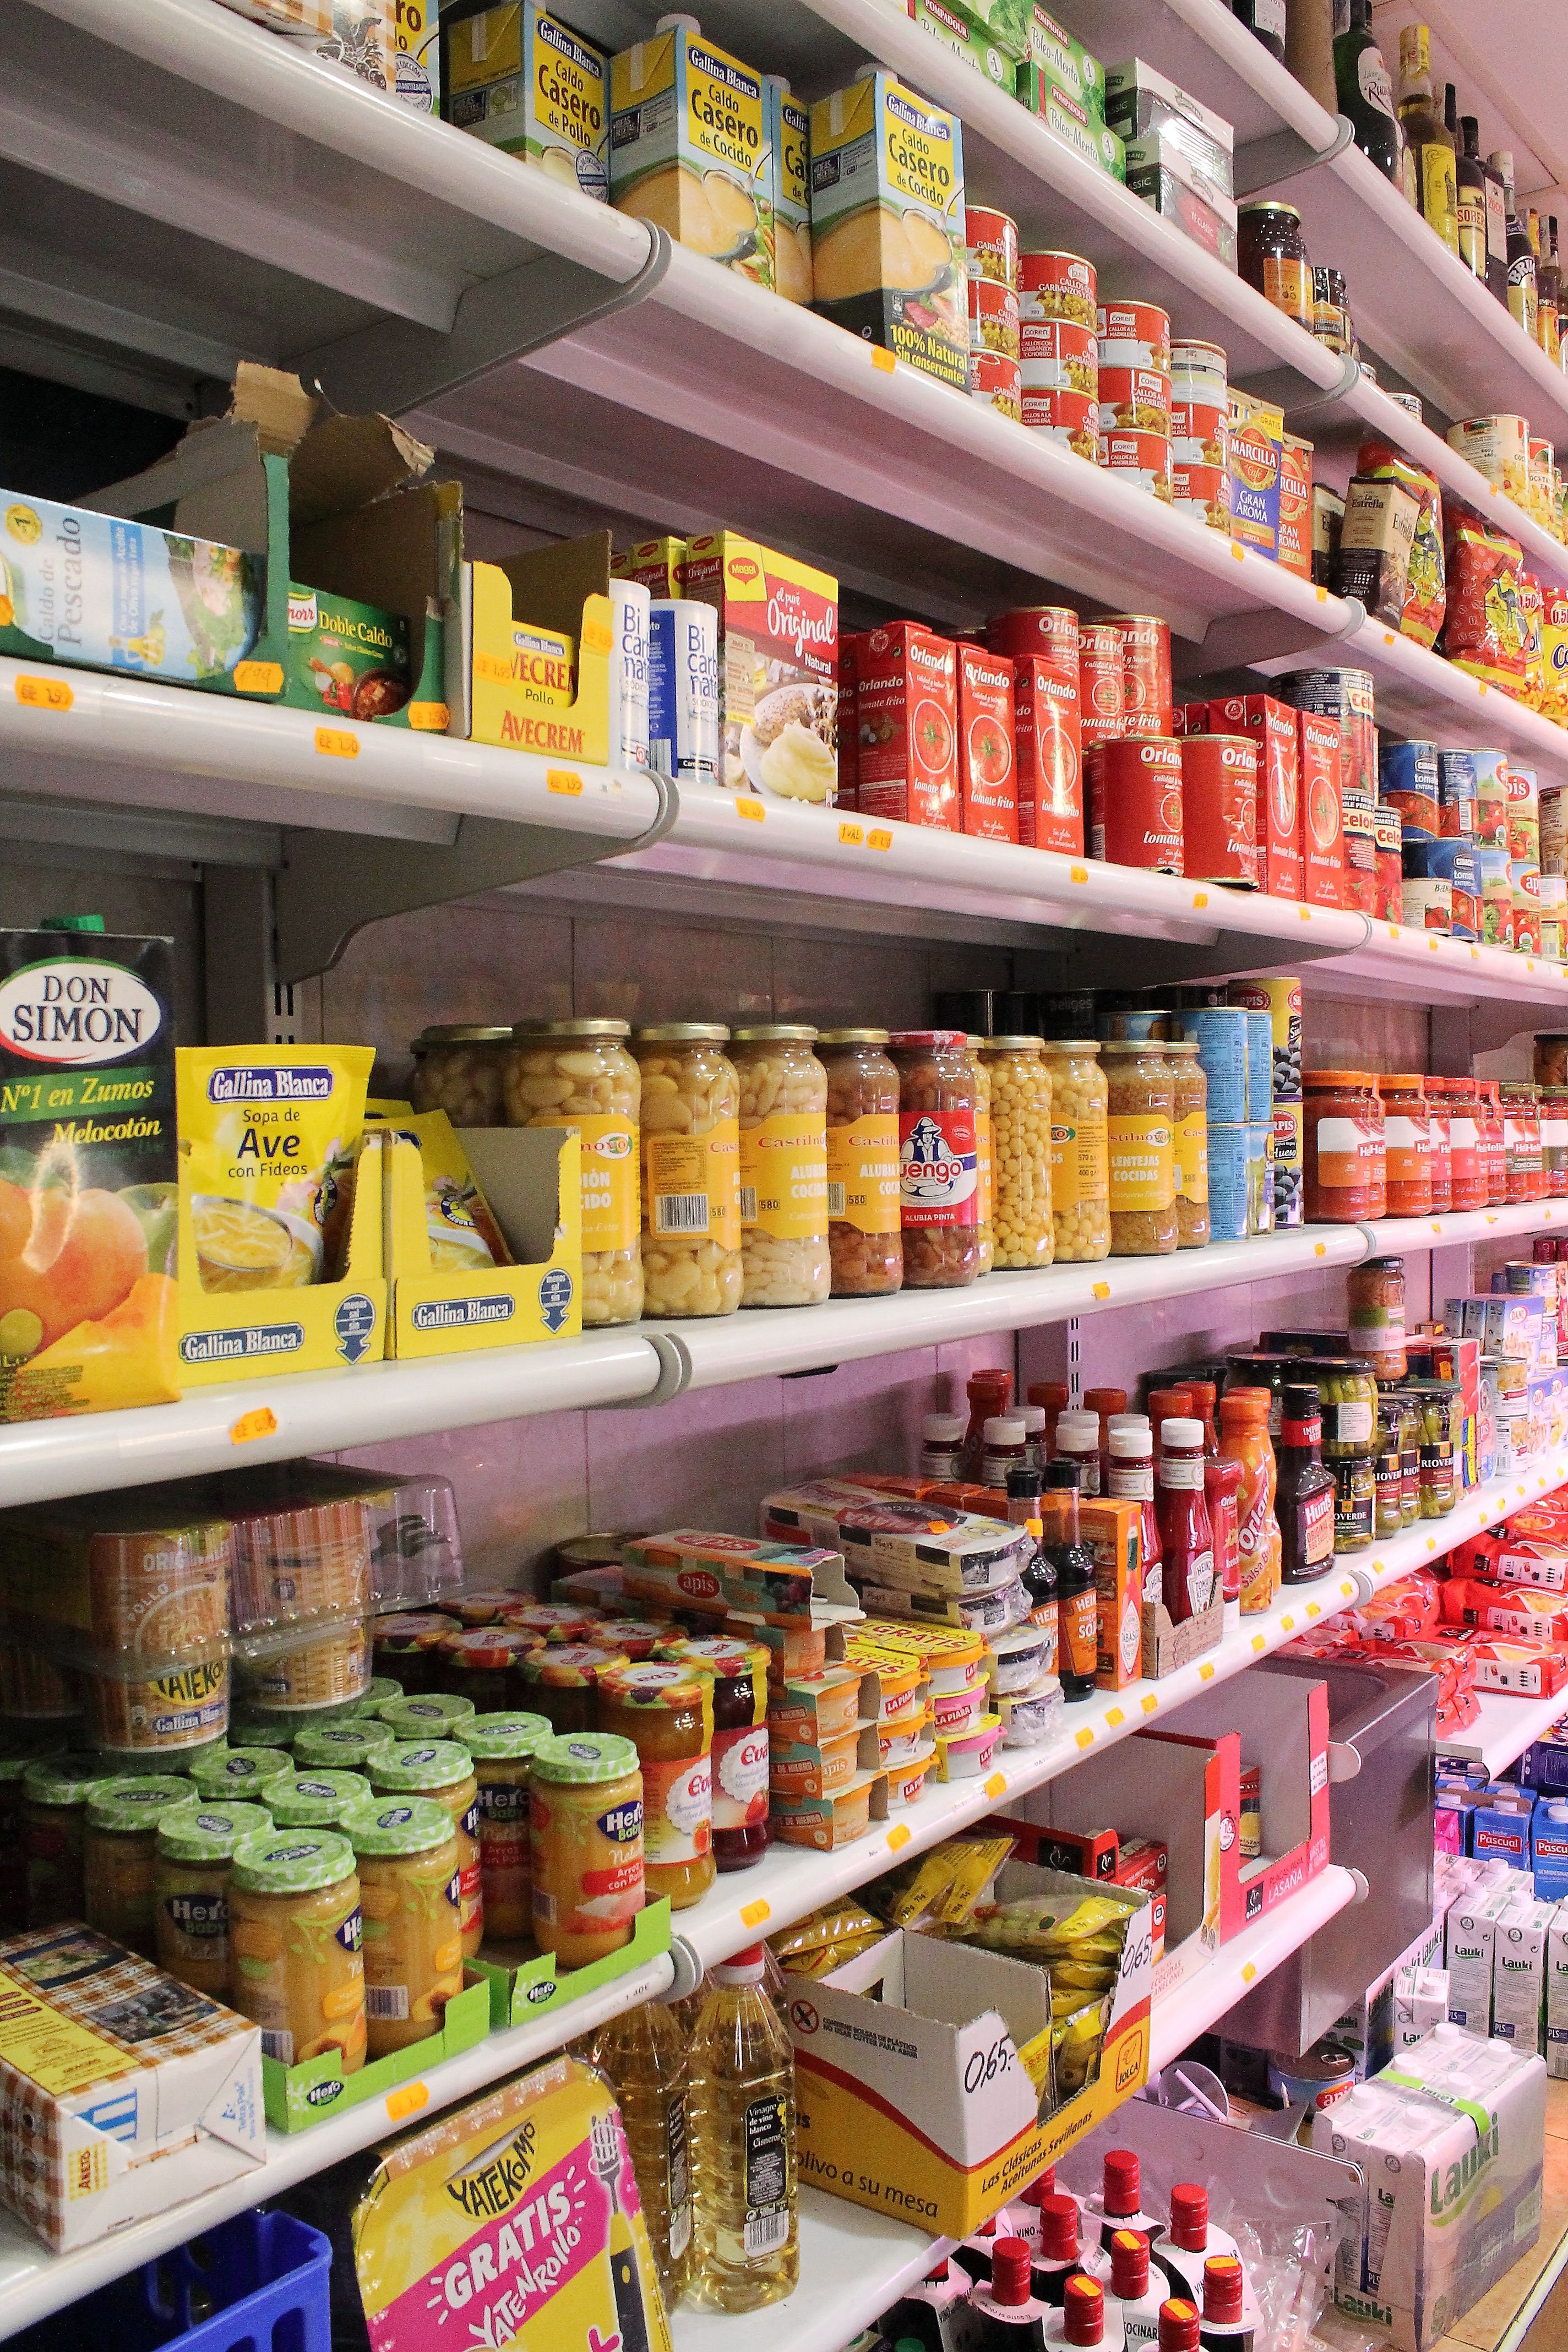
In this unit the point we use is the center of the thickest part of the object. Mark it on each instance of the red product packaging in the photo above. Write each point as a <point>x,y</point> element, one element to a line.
<point>1049,630</point>
<point>1272,726</point>
<point>906,693</point>
<point>848,726</point>
<point>1144,1863</point>
<point>987,765</point>
<point>1504,1609</point>
<point>1387,836</point>
<point>1085,1853</point>
<point>1050,753</point>
<point>1136,803</point>
<point>1148,702</point>
<point>1219,810</point>
<point>1100,681</point>
<point>1527,1669</point>
<point>1295,538</point>
<point>1190,719</point>
<point>1322,824</point>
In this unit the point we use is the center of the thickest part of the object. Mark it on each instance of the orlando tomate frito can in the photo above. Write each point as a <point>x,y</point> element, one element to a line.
<point>1219,809</point>
<point>1135,803</point>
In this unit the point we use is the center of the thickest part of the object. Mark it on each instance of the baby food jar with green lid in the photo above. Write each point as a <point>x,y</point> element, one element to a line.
<point>119,1854</point>
<point>55,1792</point>
<point>316,1799</point>
<point>503,1746</point>
<point>437,1715</point>
<point>294,1927</point>
<point>442,1770</point>
<point>238,1775</point>
<point>411,1901</point>
<point>194,1857</point>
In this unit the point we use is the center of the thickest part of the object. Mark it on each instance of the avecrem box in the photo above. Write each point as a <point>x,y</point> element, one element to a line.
<point>887,224</point>
<point>518,79</point>
<point>690,148</point>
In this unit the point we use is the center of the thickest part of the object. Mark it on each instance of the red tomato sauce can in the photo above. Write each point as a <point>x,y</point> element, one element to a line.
<point>1049,630</point>
<point>1136,803</point>
<point>1099,688</point>
<point>1219,809</point>
<point>1147,701</point>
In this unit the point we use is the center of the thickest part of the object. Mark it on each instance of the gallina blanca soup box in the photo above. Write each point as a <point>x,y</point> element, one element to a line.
<point>88,1173</point>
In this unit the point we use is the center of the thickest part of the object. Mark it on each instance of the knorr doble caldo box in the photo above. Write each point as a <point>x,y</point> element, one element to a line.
<point>690,148</point>
<point>887,224</point>
<point>88,1173</point>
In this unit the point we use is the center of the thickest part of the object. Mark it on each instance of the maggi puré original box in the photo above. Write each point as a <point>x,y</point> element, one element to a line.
<point>887,224</point>
<point>124,2093</point>
<point>689,148</point>
<point>778,666</point>
<point>518,79</point>
<point>88,1174</point>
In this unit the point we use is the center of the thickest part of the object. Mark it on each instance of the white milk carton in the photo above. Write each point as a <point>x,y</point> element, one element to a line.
<point>1420,2003</point>
<point>1471,1928</point>
<point>1557,1994</point>
<point>1519,1974</point>
<point>630,606</point>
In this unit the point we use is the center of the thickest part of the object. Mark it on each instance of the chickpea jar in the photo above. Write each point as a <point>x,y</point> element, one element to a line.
<point>458,1069</point>
<point>1023,1228</point>
<point>503,1747</point>
<point>1080,1167</point>
<point>405,1855</point>
<point>1140,1139</point>
<point>784,1166</point>
<point>578,1074</point>
<point>691,1169</point>
<point>984,1166</point>
<point>1192,1141</point>
<point>441,1768</point>
<point>938,1162</point>
<point>865,1242</point>
<point>294,1927</point>
<point>119,1854</point>
<point>195,1855</point>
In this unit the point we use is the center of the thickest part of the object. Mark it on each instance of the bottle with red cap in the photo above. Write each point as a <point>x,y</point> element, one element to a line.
<point>1025,2208</point>
<point>1061,2255</point>
<point>1081,2319</point>
<point>1224,2325</point>
<point>1179,2326</point>
<point>1006,2314</point>
<point>919,2316</point>
<point>1115,2206</point>
<point>1181,2250</point>
<point>974,2255</point>
<point>1132,2301</point>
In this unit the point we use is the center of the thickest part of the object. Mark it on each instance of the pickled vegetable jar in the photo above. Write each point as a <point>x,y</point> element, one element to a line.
<point>691,1169</point>
<point>441,1768</point>
<point>503,1747</point>
<point>1376,1304</point>
<point>195,1855</point>
<point>586,1822</point>
<point>667,1713</point>
<point>294,1937</point>
<point>1140,1125</point>
<point>1081,1170</point>
<point>1343,1147</point>
<point>1555,1140</point>
<point>1407,1145</point>
<point>1347,1392</point>
<point>577,1075</point>
<point>405,1853</point>
<point>458,1069</point>
<point>1192,1133</point>
<point>1439,1408</point>
<point>864,1236</point>
<point>784,1166</point>
<point>1387,1517</point>
<point>1023,1229</point>
<point>119,1854</point>
<point>938,1157</point>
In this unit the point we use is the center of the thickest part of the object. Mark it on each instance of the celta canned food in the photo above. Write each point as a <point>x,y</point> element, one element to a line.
<point>1134,334</point>
<point>1409,780</point>
<point>1101,694</point>
<point>994,380</point>
<point>1344,694</point>
<point>990,244</point>
<point>1361,859</point>
<point>1136,803</point>
<point>1386,836</point>
<point>1219,809</point>
<point>1134,400</point>
<point>1059,356</point>
<point>1066,416</point>
<point>1148,703</point>
<point>993,318</point>
<point>1141,457</point>
<point>1058,286</point>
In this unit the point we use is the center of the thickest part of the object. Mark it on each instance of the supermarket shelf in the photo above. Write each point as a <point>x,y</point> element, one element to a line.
<point>1406,1237</point>
<point>1504,1730</point>
<point>1420,694</point>
<point>1176,2022</point>
<point>34,2281</point>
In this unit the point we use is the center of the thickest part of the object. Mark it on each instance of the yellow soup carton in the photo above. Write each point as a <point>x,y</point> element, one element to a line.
<point>689,148</point>
<point>789,136</point>
<point>518,79</point>
<point>887,224</point>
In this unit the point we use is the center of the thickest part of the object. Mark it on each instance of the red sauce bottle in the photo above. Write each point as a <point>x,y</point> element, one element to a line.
<point>1186,1538</point>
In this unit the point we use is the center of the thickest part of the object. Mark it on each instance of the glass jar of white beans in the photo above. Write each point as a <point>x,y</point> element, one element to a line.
<point>864,1235</point>
<point>1080,1173</point>
<point>578,1074</point>
<point>691,1169</point>
<point>458,1069</point>
<point>784,1166</point>
<point>1023,1233</point>
<point>985,1174</point>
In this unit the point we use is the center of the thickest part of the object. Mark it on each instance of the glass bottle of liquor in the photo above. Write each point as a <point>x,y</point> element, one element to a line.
<point>1366,94</point>
<point>1549,293</point>
<point>1265,20</point>
<point>1497,225</point>
<point>1470,192</point>
<point>1427,137</point>
<point>1522,289</point>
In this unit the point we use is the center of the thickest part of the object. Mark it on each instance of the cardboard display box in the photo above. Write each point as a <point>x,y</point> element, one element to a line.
<point>1280,1724</point>
<point>531,1177</point>
<point>298,2096</point>
<point>522,1982</point>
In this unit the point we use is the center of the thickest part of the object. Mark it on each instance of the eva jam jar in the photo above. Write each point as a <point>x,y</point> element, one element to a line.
<point>740,1673</point>
<point>1344,1146</point>
<point>586,1815</point>
<point>667,1713</point>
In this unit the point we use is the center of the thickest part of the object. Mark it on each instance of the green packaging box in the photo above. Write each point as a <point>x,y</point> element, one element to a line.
<point>1070,122</point>
<point>1065,62</point>
<point>957,30</point>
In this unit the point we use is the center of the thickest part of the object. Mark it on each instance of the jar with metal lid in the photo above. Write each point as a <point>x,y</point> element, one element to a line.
<point>1141,1098</point>
<point>784,1166</point>
<point>1080,1166</point>
<point>1520,1104</point>
<point>1439,1407</point>
<point>458,1069</point>
<point>1493,1140</point>
<point>665,1710</point>
<point>1555,1140</point>
<point>503,1746</point>
<point>480,1665</point>
<point>938,1157</point>
<point>1023,1229</point>
<point>1395,1398</point>
<point>193,1858</point>
<point>1465,1155</point>
<point>444,1769</point>
<point>1347,1390</point>
<point>578,1076</point>
<point>238,1775</point>
<point>294,1936</point>
<point>691,1169</point>
<point>560,1683</point>
<point>984,1168</point>
<point>740,1675</point>
<point>439,1715</point>
<point>55,1793</point>
<point>1272,1373</point>
<point>1387,1517</point>
<point>405,1853</point>
<point>586,1822</point>
<point>1407,1145</point>
<point>1442,1145</point>
<point>1271,255</point>
<point>1190,1127</point>
<point>1343,1147</point>
<point>119,1854</point>
<point>865,1239</point>
<point>1376,1312</point>
<point>407,1642</point>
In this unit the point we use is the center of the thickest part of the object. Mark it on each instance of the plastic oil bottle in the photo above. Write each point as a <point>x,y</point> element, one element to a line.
<point>642,2053</point>
<point>741,2072</point>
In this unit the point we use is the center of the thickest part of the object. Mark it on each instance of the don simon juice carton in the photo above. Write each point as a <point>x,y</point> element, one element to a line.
<point>88,1173</point>
<point>887,224</point>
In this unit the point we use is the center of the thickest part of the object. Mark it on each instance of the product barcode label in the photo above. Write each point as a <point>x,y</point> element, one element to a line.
<point>836,1197</point>
<point>386,2001</point>
<point>766,2233</point>
<point>277,2043</point>
<point>680,1212</point>
<point>748,1204</point>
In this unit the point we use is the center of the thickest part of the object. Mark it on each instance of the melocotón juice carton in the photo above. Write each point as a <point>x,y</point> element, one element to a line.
<point>887,224</point>
<point>88,1173</point>
<point>689,148</point>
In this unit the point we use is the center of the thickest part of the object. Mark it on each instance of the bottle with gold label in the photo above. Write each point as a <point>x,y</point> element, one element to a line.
<point>1521,287</point>
<point>1428,140</point>
<point>1471,195</point>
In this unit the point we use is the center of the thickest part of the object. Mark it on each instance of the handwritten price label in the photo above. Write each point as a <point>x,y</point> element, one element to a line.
<point>44,693</point>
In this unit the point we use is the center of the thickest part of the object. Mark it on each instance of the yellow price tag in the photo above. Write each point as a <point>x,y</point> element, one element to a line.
<point>262,1422</point>
<point>562,780</point>
<point>898,1836</point>
<point>851,835</point>
<point>337,743</point>
<point>45,693</point>
<point>406,2100</point>
<point>261,677</point>
<point>878,840</point>
<point>997,1786</point>
<point>752,811</point>
<point>429,717</point>
<point>883,360</point>
<point>755,1913</point>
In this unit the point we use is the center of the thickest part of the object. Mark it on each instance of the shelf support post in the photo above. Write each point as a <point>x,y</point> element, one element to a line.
<point>1284,155</point>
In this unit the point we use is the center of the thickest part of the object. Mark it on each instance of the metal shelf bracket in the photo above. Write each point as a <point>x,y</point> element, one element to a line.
<point>1284,155</point>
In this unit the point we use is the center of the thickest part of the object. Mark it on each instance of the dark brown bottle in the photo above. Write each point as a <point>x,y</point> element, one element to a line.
<point>1304,1493</point>
<point>1472,193</point>
<point>1549,286</point>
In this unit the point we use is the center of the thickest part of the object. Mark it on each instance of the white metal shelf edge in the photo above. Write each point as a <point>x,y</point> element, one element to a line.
<point>1504,1727</point>
<point>1236,1967</point>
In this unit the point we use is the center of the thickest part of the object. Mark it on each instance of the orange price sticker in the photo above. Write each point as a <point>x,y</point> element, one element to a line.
<point>1305,913</point>
<point>755,1913</point>
<point>997,1785</point>
<point>597,637</point>
<point>899,1835</point>
<point>262,1422</point>
<point>1079,873</point>
<point>45,693</point>
<point>562,780</point>
<point>1239,552</point>
<point>878,840</point>
<point>1115,1718</point>
<point>1319,1249</point>
<point>429,717</point>
<point>881,358</point>
<point>1200,898</point>
<point>337,743</point>
<point>1085,1737</point>
<point>406,2100</point>
<point>752,811</point>
<point>264,678</point>
<point>1151,1703</point>
<point>851,835</point>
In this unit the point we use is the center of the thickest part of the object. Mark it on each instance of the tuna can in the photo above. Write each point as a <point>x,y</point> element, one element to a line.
<point>1222,1033</point>
<point>1134,400</point>
<point>1134,334</point>
<point>630,606</point>
<point>1065,416</point>
<point>1148,702</point>
<point>1203,366</point>
<point>1101,694</point>
<point>1144,458</point>
<point>1059,356</point>
<point>1409,778</point>
<point>1491,799</point>
<point>1136,803</point>
<point>1228,1143</point>
<point>993,318</point>
<point>1058,286</point>
<point>683,688</point>
<point>1219,811</point>
<point>1427,897</point>
<point>994,382</point>
<point>1456,793</point>
<point>991,245</point>
<point>1203,492</point>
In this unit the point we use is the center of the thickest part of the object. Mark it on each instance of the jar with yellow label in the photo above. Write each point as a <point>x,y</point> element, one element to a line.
<point>238,1775</point>
<point>458,1069</point>
<point>480,1665</point>
<point>343,1747</point>
<point>578,1074</point>
<point>119,1854</point>
<point>984,1164</point>
<point>784,1166</point>
<point>55,1793</point>
<point>1191,1122</point>
<point>503,1747</point>
<point>1080,1175</point>
<point>317,1799</point>
<point>194,1855</point>
<point>438,1714</point>
<point>294,1929</point>
<point>1020,1095</point>
<point>667,1713</point>
<point>1140,1142</point>
<point>410,1902</point>
<point>864,1240</point>
<point>561,1684</point>
<point>441,1768</point>
<point>585,1822</point>
<point>691,1169</point>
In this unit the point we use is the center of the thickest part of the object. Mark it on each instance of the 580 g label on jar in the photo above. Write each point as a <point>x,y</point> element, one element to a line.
<point>863,1173</point>
<point>938,1168</point>
<point>1078,1161</point>
<point>694,1186</point>
<point>783,1176</point>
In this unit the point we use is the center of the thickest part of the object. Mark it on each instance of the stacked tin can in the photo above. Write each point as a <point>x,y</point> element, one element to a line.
<point>1347,695</point>
<point>1555,872</point>
<point>1524,856</point>
<point>1490,770</point>
<point>1200,428</point>
<point>1059,349</point>
<point>1135,393</point>
<point>991,253</point>
<point>1431,795</point>
<point>1235,1053</point>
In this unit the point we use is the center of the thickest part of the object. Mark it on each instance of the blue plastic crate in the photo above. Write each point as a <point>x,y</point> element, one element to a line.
<point>257,2284</point>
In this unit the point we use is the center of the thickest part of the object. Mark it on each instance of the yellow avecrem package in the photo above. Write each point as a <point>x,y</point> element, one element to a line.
<point>268,1137</point>
<point>515,2222</point>
<point>464,1235</point>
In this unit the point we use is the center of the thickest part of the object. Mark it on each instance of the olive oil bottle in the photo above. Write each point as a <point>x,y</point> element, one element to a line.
<point>1429,141</point>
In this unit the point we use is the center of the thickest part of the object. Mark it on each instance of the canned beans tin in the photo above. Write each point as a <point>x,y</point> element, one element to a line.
<point>1200,429</point>
<point>994,380</point>
<point>1219,809</point>
<point>1101,692</point>
<point>1141,457</point>
<point>1059,356</point>
<point>993,318</point>
<point>1134,334</point>
<point>1147,704</point>
<point>1203,491</point>
<point>1066,416</point>
<point>1058,286</point>
<point>1136,803</point>
<point>1134,400</point>
<point>990,244</point>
